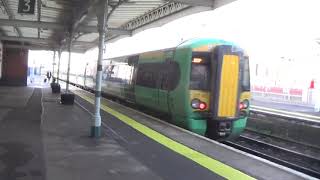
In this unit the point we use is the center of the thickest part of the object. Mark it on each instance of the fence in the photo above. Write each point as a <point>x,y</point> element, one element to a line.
<point>306,97</point>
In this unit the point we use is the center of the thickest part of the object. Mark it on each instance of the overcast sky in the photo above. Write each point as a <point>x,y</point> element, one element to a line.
<point>286,27</point>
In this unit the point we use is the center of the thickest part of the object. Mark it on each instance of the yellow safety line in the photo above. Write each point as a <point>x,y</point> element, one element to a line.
<point>202,159</point>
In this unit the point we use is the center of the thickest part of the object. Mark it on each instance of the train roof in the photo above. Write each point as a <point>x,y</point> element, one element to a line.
<point>192,43</point>
<point>203,41</point>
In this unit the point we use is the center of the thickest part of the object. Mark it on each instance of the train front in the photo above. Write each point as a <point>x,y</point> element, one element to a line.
<point>220,90</point>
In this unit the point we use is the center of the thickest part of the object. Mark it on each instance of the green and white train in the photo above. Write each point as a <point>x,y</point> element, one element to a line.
<point>203,85</point>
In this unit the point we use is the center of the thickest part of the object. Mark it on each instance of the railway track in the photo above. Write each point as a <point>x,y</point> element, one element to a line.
<point>294,160</point>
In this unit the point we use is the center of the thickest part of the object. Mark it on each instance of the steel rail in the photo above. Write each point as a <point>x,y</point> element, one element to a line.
<point>289,116</point>
<point>272,158</point>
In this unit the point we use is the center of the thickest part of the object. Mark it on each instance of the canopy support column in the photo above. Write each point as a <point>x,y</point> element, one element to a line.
<point>102,10</point>
<point>68,97</point>
<point>59,56</point>
<point>53,63</point>
<point>69,61</point>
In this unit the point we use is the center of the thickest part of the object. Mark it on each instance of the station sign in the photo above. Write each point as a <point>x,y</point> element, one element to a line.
<point>26,6</point>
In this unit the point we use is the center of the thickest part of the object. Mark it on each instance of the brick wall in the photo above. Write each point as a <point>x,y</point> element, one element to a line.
<point>14,66</point>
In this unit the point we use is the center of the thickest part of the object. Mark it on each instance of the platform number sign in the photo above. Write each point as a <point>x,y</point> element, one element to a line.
<point>26,6</point>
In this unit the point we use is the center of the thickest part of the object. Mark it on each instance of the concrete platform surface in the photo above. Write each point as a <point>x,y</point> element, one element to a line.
<point>14,97</point>
<point>72,154</point>
<point>21,149</point>
<point>47,140</point>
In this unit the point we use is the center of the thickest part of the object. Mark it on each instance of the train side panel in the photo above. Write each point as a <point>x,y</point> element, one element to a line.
<point>177,97</point>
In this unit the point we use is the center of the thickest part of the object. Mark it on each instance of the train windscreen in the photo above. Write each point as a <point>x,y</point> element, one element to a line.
<point>245,74</point>
<point>200,72</point>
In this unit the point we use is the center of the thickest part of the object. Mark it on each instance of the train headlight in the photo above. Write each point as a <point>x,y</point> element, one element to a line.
<point>246,103</point>
<point>195,103</point>
<point>202,106</point>
<point>241,106</point>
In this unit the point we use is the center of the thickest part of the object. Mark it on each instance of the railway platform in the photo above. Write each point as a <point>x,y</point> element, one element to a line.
<point>281,107</point>
<point>42,139</point>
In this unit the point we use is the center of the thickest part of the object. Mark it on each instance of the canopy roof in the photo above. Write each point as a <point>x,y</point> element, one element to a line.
<point>52,20</point>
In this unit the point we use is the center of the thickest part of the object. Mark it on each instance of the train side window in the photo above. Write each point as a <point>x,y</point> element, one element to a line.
<point>146,78</point>
<point>164,80</point>
<point>124,73</point>
<point>158,75</point>
<point>133,60</point>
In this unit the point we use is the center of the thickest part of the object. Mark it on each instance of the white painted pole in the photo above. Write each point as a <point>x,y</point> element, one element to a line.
<point>53,63</point>
<point>59,56</point>
<point>69,60</point>
<point>102,10</point>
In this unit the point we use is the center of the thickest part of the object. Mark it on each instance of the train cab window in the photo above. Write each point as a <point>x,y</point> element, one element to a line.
<point>200,72</point>
<point>245,74</point>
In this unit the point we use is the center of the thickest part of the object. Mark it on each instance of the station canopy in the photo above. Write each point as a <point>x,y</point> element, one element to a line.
<point>45,24</point>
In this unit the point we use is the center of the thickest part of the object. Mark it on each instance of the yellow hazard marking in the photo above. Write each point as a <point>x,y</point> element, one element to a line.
<point>202,159</point>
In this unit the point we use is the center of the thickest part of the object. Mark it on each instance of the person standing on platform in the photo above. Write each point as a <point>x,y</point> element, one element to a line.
<point>48,76</point>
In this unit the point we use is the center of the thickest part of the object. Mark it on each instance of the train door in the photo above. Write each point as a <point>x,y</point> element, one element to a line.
<point>146,91</point>
<point>129,90</point>
<point>163,87</point>
<point>164,81</point>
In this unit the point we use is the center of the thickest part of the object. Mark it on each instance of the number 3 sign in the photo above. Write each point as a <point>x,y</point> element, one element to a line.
<point>26,6</point>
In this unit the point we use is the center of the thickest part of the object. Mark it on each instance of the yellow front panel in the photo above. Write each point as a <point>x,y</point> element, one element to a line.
<point>229,86</point>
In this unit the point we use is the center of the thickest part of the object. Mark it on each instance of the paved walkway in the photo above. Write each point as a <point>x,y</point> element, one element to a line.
<point>72,154</point>
<point>21,149</point>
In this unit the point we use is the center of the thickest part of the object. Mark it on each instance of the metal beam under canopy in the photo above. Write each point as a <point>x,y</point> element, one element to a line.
<point>56,26</point>
<point>47,42</point>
